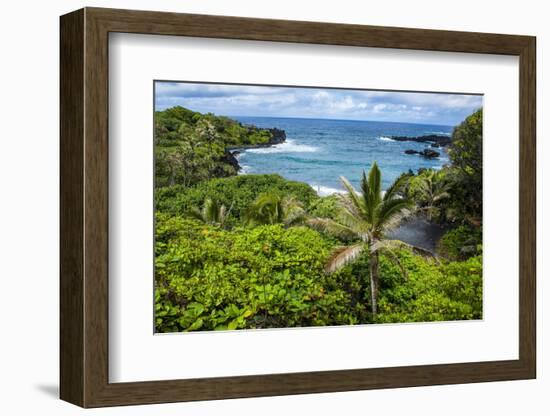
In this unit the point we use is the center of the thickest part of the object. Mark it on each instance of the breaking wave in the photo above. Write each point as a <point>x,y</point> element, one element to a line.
<point>289,146</point>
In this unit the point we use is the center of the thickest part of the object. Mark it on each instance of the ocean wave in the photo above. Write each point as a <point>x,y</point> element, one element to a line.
<point>320,162</point>
<point>289,146</point>
<point>443,133</point>
<point>386,139</point>
<point>326,190</point>
<point>244,170</point>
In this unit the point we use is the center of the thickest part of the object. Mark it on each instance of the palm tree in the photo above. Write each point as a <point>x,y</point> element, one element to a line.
<point>271,208</point>
<point>430,188</point>
<point>364,220</point>
<point>211,213</point>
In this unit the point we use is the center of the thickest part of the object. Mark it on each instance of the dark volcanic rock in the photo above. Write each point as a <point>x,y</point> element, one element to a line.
<point>429,153</point>
<point>431,138</point>
<point>278,136</point>
<point>230,159</point>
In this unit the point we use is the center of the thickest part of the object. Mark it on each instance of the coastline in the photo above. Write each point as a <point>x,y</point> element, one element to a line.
<point>278,136</point>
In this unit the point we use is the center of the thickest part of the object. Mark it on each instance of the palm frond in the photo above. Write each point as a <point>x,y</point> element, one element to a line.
<point>352,196</point>
<point>265,209</point>
<point>342,256</point>
<point>398,244</point>
<point>355,223</point>
<point>345,203</point>
<point>210,210</point>
<point>395,220</point>
<point>292,211</point>
<point>331,227</point>
<point>440,196</point>
<point>396,187</point>
<point>392,211</point>
<point>222,215</point>
<point>367,198</point>
<point>375,185</point>
<point>394,258</point>
<point>195,213</point>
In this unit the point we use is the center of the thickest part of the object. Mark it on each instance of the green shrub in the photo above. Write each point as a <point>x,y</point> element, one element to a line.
<point>236,192</point>
<point>461,243</point>
<point>191,147</point>
<point>431,292</point>
<point>207,278</point>
<point>326,207</point>
<point>268,276</point>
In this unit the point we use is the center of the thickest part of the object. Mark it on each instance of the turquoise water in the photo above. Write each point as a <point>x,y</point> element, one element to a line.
<point>318,151</point>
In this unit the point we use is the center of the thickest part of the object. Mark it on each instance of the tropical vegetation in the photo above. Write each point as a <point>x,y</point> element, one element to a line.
<point>259,251</point>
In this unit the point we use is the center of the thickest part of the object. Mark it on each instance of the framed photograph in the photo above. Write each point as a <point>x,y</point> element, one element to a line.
<point>256,207</point>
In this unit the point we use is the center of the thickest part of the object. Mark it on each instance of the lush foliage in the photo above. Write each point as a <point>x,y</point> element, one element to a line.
<point>191,147</point>
<point>365,218</point>
<point>271,276</point>
<point>430,291</point>
<point>466,170</point>
<point>272,208</point>
<point>461,243</point>
<point>237,193</point>
<point>430,189</point>
<point>261,277</point>
<point>259,251</point>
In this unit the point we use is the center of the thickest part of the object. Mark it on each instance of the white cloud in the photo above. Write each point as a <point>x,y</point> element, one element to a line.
<point>436,108</point>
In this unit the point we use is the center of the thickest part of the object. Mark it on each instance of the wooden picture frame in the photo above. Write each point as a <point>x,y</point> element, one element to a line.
<point>84,207</point>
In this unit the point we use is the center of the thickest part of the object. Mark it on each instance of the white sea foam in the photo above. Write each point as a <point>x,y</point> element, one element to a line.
<point>386,139</point>
<point>326,190</point>
<point>289,146</point>
<point>443,133</point>
<point>244,170</point>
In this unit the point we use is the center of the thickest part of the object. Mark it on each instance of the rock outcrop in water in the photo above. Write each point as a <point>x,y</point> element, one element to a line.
<point>278,136</point>
<point>435,139</point>
<point>231,159</point>
<point>427,153</point>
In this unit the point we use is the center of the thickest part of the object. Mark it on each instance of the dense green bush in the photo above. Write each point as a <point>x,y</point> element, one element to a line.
<point>466,169</point>
<point>236,193</point>
<point>216,269</point>
<point>431,292</point>
<point>326,207</point>
<point>461,243</point>
<point>191,147</point>
<point>268,276</point>
<point>262,277</point>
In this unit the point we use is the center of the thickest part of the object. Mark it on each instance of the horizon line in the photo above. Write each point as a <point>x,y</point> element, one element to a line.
<point>345,119</point>
<point>314,118</point>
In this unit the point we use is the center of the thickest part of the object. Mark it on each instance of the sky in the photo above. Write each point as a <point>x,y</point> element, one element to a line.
<point>340,104</point>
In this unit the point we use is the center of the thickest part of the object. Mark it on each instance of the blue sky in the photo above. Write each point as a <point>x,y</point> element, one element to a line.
<point>246,100</point>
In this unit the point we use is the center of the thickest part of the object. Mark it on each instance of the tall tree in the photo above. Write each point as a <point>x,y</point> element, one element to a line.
<point>429,188</point>
<point>364,219</point>
<point>466,155</point>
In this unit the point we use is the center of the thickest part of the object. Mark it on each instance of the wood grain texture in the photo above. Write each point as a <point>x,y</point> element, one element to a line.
<point>527,208</point>
<point>84,207</point>
<point>71,100</point>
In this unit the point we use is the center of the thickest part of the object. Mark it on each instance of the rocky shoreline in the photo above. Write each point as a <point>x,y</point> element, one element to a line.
<point>278,136</point>
<point>427,153</point>
<point>434,139</point>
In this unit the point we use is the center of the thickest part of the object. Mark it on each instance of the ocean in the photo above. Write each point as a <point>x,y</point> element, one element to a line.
<point>319,151</point>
